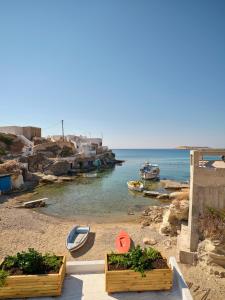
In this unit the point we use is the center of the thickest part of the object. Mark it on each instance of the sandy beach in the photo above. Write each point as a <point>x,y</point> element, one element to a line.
<point>25,228</point>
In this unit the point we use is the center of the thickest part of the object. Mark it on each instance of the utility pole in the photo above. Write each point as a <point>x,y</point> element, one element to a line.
<point>62,130</point>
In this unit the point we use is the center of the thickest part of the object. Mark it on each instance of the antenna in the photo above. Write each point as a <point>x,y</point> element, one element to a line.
<point>62,130</point>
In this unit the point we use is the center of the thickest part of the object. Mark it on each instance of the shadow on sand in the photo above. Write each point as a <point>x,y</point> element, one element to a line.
<point>86,247</point>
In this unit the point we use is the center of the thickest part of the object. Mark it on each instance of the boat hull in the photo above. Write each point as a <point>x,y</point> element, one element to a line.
<point>77,237</point>
<point>123,242</point>
<point>137,188</point>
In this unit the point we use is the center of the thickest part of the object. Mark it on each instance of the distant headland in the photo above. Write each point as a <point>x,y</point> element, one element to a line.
<point>192,147</point>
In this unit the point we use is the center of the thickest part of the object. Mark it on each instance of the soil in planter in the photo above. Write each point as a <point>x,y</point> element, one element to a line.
<point>46,269</point>
<point>159,263</point>
<point>17,271</point>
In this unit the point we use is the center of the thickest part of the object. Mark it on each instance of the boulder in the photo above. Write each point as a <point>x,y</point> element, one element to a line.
<point>58,168</point>
<point>179,195</point>
<point>49,178</point>
<point>151,193</point>
<point>145,223</point>
<point>211,253</point>
<point>179,210</point>
<point>174,216</point>
<point>163,196</point>
<point>148,241</point>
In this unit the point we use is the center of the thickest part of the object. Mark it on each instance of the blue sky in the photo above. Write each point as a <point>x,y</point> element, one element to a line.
<point>142,73</point>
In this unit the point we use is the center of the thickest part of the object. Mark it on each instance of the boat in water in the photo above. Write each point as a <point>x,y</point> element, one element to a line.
<point>77,237</point>
<point>149,171</point>
<point>135,185</point>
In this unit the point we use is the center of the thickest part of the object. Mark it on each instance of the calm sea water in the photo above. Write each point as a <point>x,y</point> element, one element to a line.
<point>107,197</point>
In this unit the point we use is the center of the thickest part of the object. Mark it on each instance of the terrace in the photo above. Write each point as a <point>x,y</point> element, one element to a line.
<point>85,280</point>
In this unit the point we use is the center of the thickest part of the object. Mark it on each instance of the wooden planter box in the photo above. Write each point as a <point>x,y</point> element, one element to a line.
<point>129,280</point>
<point>23,286</point>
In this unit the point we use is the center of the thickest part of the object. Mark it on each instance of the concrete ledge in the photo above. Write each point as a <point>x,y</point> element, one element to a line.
<point>178,277</point>
<point>85,267</point>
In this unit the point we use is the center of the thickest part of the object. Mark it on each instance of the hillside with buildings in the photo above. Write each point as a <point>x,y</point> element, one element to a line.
<point>53,155</point>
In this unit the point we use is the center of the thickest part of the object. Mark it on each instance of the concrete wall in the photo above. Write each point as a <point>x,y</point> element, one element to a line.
<point>207,189</point>
<point>17,130</point>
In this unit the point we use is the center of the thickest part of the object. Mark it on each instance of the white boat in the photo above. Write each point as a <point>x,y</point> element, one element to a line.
<point>149,171</point>
<point>77,237</point>
<point>135,185</point>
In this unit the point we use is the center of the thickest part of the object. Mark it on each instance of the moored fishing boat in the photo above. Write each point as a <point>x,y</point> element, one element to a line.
<point>77,237</point>
<point>135,185</point>
<point>149,171</point>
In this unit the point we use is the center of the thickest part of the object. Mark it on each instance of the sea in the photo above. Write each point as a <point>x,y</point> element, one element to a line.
<point>106,198</point>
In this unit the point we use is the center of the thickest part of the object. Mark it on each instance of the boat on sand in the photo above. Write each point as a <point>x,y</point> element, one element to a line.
<point>77,237</point>
<point>135,185</point>
<point>123,242</point>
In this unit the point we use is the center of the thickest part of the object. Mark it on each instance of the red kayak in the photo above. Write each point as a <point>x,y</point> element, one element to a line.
<point>123,242</point>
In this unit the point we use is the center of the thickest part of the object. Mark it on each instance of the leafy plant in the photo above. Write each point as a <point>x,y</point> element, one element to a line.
<point>32,262</point>
<point>3,276</point>
<point>137,259</point>
<point>52,262</point>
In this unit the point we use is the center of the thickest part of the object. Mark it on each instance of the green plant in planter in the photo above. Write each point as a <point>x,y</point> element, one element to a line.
<point>52,262</point>
<point>32,262</point>
<point>136,259</point>
<point>3,276</point>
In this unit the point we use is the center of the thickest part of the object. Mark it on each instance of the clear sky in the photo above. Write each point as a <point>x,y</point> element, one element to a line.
<point>145,74</point>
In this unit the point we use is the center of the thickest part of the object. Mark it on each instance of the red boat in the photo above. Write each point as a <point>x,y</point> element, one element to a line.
<point>123,242</point>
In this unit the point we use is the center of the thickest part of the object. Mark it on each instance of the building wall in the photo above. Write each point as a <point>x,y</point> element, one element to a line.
<point>17,130</point>
<point>29,132</point>
<point>207,189</point>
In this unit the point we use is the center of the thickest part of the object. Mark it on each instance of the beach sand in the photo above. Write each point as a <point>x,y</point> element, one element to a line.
<point>21,229</point>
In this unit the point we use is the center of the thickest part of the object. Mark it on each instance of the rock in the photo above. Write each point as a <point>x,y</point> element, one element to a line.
<point>167,244</point>
<point>179,210</point>
<point>49,178</point>
<point>151,193</point>
<point>211,253</point>
<point>148,241</point>
<point>65,178</point>
<point>163,196</point>
<point>218,271</point>
<point>130,213</point>
<point>173,185</point>
<point>145,223</point>
<point>179,195</point>
<point>153,214</point>
<point>58,168</point>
